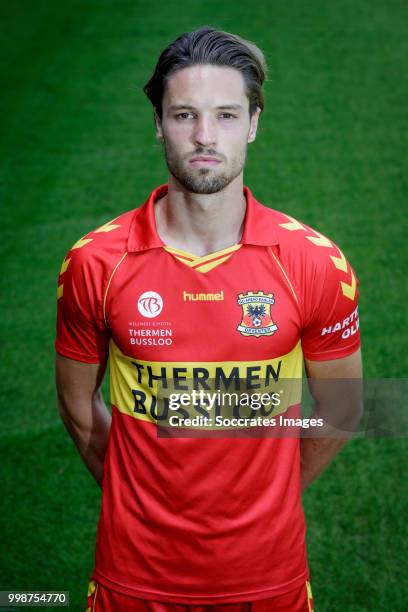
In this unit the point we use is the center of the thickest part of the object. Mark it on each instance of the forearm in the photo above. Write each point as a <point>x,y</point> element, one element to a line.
<point>336,388</point>
<point>315,456</point>
<point>91,436</point>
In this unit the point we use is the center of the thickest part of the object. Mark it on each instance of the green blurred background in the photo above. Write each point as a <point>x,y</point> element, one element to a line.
<point>77,149</point>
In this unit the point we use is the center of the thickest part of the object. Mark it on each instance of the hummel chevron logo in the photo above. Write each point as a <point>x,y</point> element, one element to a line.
<point>320,240</point>
<point>293,225</point>
<point>65,265</point>
<point>108,227</point>
<point>349,290</point>
<point>339,261</point>
<point>81,243</point>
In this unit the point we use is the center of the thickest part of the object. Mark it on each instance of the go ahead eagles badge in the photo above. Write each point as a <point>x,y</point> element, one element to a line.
<point>256,314</point>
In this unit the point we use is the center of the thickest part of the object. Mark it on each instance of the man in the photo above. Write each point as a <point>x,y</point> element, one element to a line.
<point>200,282</point>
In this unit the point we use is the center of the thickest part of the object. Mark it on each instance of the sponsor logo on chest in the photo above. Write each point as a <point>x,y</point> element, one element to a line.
<point>256,316</point>
<point>149,332</point>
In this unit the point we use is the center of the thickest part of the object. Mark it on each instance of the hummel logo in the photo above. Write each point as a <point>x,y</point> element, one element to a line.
<point>203,297</point>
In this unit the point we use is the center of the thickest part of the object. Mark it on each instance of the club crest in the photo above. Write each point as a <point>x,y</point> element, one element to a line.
<point>256,314</point>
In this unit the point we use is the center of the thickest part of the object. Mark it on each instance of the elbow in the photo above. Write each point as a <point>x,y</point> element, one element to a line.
<point>63,413</point>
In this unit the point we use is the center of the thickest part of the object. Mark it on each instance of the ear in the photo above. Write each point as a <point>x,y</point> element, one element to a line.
<point>253,125</point>
<point>158,124</point>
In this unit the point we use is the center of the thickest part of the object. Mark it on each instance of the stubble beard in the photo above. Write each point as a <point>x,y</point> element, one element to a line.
<point>203,180</point>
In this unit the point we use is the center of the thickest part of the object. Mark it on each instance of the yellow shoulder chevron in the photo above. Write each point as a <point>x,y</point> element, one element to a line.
<point>349,290</point>
<point>108,227</point>
<point>320,240</point>
<point>339,261</point>
<point>293,226</point>
<point>65,265</point>
<point>81,243</point>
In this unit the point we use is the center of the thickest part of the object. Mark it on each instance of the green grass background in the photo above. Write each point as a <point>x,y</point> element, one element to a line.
<point>77,149</point>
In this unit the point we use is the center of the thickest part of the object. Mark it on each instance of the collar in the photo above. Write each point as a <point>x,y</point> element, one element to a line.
<point>258,224</point>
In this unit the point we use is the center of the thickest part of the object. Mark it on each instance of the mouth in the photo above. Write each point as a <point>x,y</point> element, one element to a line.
<point>204,160</point>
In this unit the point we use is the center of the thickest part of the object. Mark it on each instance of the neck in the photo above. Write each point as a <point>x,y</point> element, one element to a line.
<point>201,223</point>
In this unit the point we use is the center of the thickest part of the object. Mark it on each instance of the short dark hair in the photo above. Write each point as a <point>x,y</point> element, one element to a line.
<point>210,46</point>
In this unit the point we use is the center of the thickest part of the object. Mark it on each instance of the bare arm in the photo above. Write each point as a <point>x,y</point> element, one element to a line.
<point>83,410</point>
<point>338,404</point>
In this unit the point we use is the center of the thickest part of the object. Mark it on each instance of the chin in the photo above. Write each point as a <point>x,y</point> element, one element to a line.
<point>206,187</point>
<point>204,182</point>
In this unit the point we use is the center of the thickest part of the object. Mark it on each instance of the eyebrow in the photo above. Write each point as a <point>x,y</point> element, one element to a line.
<point>175,107</point>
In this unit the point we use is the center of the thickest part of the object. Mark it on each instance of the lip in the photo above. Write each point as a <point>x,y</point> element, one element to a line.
<point>203,159</point>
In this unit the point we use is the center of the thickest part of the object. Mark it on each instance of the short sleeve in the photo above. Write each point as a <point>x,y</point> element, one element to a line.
<point>331,326</point>
<point>81,331</point>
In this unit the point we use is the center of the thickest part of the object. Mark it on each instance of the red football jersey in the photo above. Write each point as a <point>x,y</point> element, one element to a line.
<point>202,520</point>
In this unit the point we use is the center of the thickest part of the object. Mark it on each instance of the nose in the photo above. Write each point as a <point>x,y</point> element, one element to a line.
<point>204,134</point>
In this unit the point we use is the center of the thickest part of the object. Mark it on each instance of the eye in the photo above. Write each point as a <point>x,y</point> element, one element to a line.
<point>228,116</point>
<point>184,116</point>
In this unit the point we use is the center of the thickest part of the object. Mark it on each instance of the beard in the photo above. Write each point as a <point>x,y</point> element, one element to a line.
<point>203,180</point>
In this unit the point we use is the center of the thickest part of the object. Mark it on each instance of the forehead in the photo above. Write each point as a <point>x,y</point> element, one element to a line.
<point>205,85</point>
